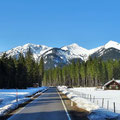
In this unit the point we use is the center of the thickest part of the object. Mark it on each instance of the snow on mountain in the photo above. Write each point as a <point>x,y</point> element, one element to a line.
<point>101,50</point>
<point>37,50</point>
<point>57,52</point>
<point>64,55</point>
<point>91,51</point>
<point>112,44</point>
<point>76,51</point>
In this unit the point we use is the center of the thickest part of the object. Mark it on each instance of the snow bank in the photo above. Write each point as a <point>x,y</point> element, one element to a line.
<point>96,112</point>
<point>102,114</point>
<point>81,102</point>
<point>110,97</point>
<point>11,98</point>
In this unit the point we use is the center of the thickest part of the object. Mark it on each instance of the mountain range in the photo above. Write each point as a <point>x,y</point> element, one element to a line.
<point>61,56</point>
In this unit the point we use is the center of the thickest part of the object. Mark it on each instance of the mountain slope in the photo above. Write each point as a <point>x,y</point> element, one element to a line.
<point>76,51</point>
<point>110,50</point>
<point>58,57</point>
<point>37,50</point>
<point>61,56</point>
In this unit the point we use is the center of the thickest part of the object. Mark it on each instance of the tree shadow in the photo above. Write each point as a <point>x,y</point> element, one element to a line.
<point>31,115</point>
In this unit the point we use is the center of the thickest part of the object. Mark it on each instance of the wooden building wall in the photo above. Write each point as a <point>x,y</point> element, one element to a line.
<point>112,86</point>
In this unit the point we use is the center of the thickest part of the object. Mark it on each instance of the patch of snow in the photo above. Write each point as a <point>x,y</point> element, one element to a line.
<point>11,98</point>
<point>102,114</point>
<point>76,51</point>
<point>91,51</point>
<point>108,95</point>
<point>98,109</point>
<point>81,102</point>
<point>112,44</point>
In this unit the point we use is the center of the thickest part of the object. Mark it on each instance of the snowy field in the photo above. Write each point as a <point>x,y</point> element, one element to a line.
<point>100,103</point>
<point>11,98</point>
<point>108,99</point>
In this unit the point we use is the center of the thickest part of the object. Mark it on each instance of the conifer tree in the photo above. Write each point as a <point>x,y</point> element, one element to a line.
<point>41,71</point>
<point>21,73</point>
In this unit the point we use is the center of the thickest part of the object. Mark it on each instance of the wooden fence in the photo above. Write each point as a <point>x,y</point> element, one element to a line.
<point>102,102</point>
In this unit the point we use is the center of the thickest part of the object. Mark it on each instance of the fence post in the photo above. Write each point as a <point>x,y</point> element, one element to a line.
<point>114,106</point>
<point>90,97</point>
<point>102,102</point>
<point>108,104</point>
<point>93,99</point>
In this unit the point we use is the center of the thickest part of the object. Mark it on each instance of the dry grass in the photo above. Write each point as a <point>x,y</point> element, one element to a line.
<point>75,112</point>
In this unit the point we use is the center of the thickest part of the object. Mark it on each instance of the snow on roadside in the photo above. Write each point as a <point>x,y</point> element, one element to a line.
<point>9,97</point>
<point>81,102</point>
<point>103,114</point>
<point>96,112</point>
<point>109,97</point>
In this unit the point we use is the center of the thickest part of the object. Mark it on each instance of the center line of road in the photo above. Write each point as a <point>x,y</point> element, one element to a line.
<point>64,107</point>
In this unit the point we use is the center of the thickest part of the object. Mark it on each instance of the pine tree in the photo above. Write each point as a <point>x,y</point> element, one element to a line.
<point>41,71</point>
<point>29,62</point>
<point>21,73</point>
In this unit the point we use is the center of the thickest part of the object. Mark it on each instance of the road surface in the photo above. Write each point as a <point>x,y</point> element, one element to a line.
<point>46,107</point>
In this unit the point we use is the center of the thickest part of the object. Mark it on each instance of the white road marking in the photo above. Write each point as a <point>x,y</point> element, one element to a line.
<point>64,107</point>
<point>12,117</point>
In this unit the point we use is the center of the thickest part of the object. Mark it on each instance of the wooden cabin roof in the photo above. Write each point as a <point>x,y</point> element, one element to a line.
<point>118,81</point>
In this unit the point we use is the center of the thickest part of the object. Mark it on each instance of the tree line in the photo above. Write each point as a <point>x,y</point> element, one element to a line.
<point>21,72</point>
<point>93,72</point>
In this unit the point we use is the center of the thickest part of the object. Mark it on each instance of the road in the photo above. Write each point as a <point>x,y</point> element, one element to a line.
<point>48,106</point>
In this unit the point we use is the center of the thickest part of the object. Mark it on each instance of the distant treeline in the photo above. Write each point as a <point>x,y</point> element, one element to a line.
<point>93,72</point>
<point>21,72</point>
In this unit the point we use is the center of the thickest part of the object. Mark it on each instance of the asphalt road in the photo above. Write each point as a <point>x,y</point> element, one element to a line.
<point>46,107</point>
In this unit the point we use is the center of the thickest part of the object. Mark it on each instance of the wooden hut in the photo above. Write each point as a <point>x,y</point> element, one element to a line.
<point>112,85</point>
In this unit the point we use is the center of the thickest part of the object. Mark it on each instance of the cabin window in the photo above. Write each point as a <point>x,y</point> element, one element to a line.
<point>110,87</point>
<point>117,87</point>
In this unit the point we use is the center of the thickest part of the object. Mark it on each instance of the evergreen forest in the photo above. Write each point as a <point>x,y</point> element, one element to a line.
<point>20,73</point>
<point>23,72</point>
<point>94,72</point>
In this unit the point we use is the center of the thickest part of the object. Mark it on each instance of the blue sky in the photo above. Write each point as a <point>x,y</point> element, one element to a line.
<point>55,23</point>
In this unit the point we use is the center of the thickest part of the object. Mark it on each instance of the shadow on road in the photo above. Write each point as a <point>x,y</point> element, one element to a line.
<point>53,115</point>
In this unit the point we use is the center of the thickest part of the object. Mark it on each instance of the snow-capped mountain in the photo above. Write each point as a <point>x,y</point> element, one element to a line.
<point>60,56</point>
<point>55,57</point>
<point>112,44</point>
<point>110,50</point>
<point>76,51</point>
<point>37,50</point>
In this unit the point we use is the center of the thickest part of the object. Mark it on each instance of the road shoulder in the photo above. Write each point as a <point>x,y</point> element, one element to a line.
<point>74,112</point>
